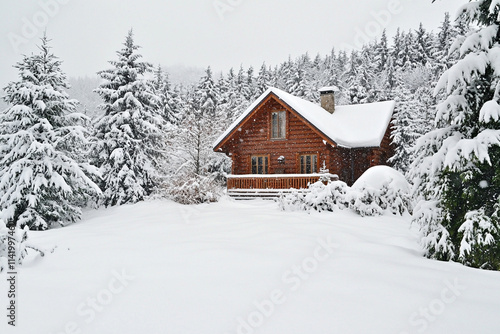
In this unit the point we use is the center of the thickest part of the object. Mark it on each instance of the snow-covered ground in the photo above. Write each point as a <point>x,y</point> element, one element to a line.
<point>245,267</point>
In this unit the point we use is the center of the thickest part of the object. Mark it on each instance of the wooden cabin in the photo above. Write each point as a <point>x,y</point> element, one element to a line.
<point>282,141</point>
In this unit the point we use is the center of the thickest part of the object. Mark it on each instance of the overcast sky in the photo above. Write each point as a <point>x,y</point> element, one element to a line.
<point>222,33</point>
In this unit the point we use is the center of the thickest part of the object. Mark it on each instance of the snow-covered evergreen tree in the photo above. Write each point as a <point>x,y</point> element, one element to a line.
<point>457,171</point>
<point>397,43</point>
<point>199,172</point>
<point>296,83</point>
<point>251,84</point>
<point>382,53</point>
<point>130,133</point>
<point>359,77</point>
<point>263,81</point>
<point>411,120</point>
<point>44,179</point>
<point>407,57</point>
<point>442,44</point>
<point>167,104</point>
<point>423,46</point>
<point>207,94</point>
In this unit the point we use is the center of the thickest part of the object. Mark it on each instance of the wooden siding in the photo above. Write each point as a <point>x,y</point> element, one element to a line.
<point>254,138</point>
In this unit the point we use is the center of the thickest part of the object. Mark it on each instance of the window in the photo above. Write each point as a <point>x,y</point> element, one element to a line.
<point>278,125</point>
<point>260,164</point>
<point>308,163</point>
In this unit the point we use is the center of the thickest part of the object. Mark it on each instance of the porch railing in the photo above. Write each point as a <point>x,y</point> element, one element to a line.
<point>274,181</point>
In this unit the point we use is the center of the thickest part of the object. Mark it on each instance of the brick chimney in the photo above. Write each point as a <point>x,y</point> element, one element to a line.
<point>328,98</point>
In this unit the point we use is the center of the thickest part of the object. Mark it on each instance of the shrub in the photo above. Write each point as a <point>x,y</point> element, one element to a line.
<point>380,190</point>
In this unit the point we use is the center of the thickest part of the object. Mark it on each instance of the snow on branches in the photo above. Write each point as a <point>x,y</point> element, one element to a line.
<point>44,179</point>
<point>129,136</point>
<point>457,169</point>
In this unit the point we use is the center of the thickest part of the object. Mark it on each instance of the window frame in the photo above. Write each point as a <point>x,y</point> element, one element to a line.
<point>282,126</point>
<point>314,166</point>
<point>265,158</point>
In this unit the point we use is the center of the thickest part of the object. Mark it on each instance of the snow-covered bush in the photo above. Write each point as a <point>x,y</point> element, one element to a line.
<point>322,196</point>
<point>193,189</point>
<point>378,191</point>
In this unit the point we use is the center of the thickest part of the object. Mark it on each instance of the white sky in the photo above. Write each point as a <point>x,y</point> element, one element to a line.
<point>86,33</point>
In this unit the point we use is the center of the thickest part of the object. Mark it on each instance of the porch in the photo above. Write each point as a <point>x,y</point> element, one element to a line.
<point>270,185</point>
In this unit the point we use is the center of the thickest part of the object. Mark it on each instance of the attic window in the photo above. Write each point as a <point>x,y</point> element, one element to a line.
<point>278,125</point>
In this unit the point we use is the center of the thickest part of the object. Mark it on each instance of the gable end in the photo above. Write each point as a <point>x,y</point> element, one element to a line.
<point>271,95</point>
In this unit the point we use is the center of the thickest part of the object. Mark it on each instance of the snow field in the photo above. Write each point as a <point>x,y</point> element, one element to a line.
<point>246,267</point>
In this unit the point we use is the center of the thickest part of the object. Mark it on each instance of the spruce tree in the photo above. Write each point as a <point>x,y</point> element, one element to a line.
<point>44,178</point>
<point>382,52</point>
<point>411,120</point>
<point>442,44</point>
<point>166,105</point>
<point>407,57</point>
<point>457,170</point>
<point>251,84</point>
<point>129,134</point>
<point>397,43</point>
<point>423,47</point>
<point>263,81</point>
<point>207,94</point>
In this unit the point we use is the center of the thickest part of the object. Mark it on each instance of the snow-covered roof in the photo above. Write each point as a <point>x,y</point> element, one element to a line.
<point>351,126</point>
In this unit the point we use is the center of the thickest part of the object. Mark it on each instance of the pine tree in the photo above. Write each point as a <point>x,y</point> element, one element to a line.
<point>263,81</point>
<point>412,120</point>
<point>166,105</point>
<point>208,94</point>
<point>129,134</point>
<point>423,48</point>
<point>442,44</point>
<point>407,55</point>
<point>297,81</point>
<point>359,77</point>
<point>251,84</point>
<point>285,75</point>
<point>397,44</point>
<point>43,179</point>
<point>382,52</point>
<point>317,62</point>
<point>199,173</point>
<point>457,170</point>
<point>234,101</point>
